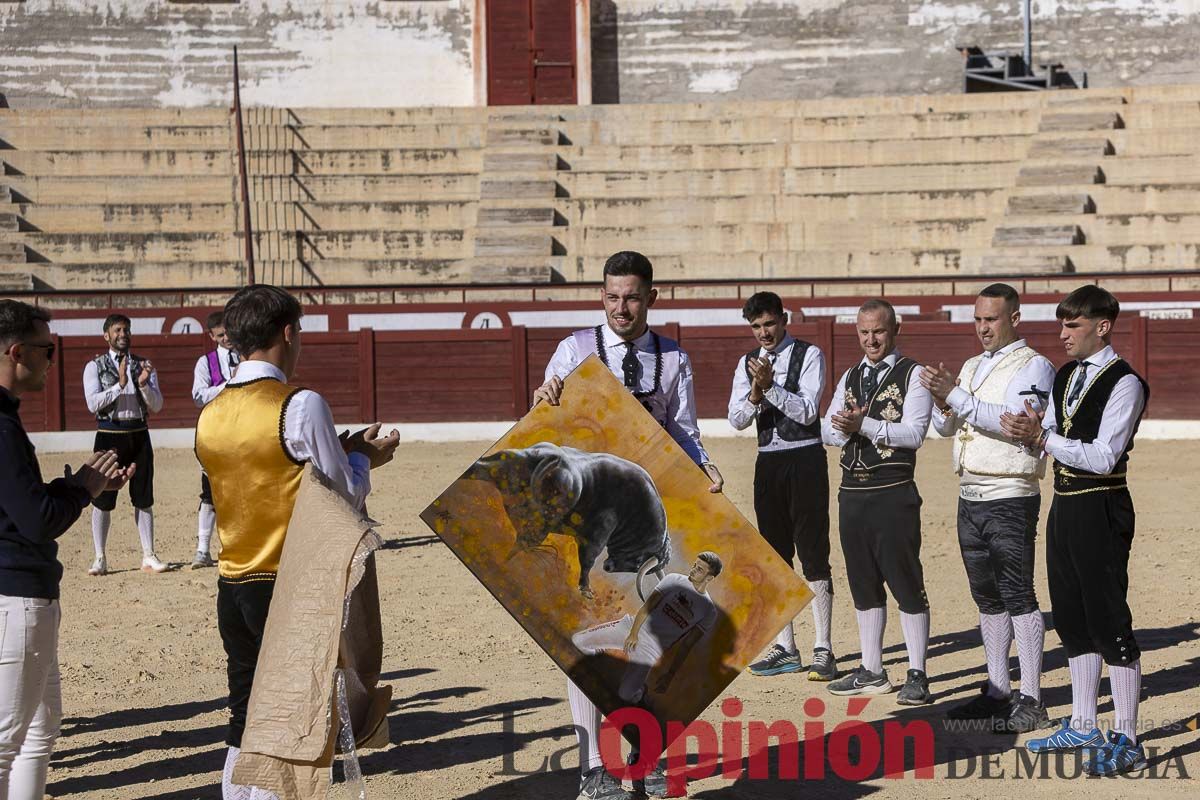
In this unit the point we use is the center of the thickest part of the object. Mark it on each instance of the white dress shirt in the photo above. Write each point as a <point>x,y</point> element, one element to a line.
<point>801,406</point>
<point>1036,376</point>
<point>677,388</point>
<point>309,434</point>
<point>128,408</point>
<point>202,389</point>
<point>1121,415</point>
<point>907,432</point>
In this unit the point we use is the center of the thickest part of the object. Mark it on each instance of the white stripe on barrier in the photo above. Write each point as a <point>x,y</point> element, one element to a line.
<point>184,438</point>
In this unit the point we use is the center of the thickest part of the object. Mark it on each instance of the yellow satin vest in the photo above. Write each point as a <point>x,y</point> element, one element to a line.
<point>239,441</point>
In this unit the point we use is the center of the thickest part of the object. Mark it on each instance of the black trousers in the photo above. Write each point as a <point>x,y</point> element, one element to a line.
<point>1088,539</point>
<point>791,502</point>
<point>241,618</point>
<point>997,539</point>
<point>205,489</point>
<point>131,448</point>
<point>881,540</point>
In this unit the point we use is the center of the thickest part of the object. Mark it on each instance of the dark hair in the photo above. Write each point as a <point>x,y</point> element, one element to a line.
<point>627,262</point>
<point>879,304</point>
<point>1005,292</point>
<point>113,319</point>
<point>762,303</point>
<point>17,321</point>
<point>215,320</point>
<point>713,560</point>
<point>1089,302</point>
<point>257,314</point>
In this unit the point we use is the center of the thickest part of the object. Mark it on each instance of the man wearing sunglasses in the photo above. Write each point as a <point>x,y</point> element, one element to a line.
<point>33,514</point>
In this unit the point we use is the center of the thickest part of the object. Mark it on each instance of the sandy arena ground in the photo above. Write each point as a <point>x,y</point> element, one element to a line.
<point>144,681</point>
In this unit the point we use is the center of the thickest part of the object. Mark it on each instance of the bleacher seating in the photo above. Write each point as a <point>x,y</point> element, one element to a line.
<point>936,186</point>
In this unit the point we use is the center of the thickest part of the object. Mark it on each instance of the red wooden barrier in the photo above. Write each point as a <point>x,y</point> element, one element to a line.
<point>490,374</point>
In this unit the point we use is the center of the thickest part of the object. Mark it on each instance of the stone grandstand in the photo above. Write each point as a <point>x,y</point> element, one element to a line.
<point>938,186</point>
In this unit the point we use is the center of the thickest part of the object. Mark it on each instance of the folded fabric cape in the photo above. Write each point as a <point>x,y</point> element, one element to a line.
<point>324,616</point>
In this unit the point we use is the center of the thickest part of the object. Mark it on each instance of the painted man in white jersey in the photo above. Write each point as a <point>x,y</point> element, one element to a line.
<point>673,619</point>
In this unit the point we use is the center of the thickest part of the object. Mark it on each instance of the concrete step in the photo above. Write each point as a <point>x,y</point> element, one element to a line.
<point>1037,235</point>
<point>507,136</point>
<point>1071,148</point>
<point>409,161</point>
<point>515,216</point>
<point>118,162</point>
<point>9,222</point>
<point>1038,204</point>
<point>15,278</point>
<point>1005,263</point>
<point>517,188</point>
<point>519,242</point>
<point>520,161</point>
<point>1094,121</point>
<point>516,270</point>
<point>86,137</point>
<point>1060,175</point>
<point>12,252</point>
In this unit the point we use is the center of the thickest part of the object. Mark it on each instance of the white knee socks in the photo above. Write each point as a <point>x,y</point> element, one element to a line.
<point>587,725</point>
<point>100,522</point>
<point>1126,690</point>
<point>870,636</point>
<point>145,526</point>
<point>916,637</point>
<point>237,791</point>
<point>997,633</point>
<point>1031,641</point>
<point>1085,687</point>
<point>787,638</point>
<point>822,609</point>
<point>208,521</point>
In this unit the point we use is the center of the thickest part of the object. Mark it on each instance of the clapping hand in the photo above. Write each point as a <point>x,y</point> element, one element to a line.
<point>939,381</point>
<point>1024,428</point>
<point>849,420</point>
<point>144,375</point>
<point>100,473</point>
<point>378,449</point>
<point>762,376</point>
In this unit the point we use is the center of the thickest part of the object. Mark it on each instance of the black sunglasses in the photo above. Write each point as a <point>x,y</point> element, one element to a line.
<point>49,348</point>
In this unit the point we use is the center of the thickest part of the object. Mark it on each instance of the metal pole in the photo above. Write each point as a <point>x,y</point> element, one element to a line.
<point>1028,15</point>
<point>247,229</point>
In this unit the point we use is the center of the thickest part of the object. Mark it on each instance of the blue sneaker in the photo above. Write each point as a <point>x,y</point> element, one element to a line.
<point>777,662</point>
<point>1067,738</point>
<point>1117,757</point>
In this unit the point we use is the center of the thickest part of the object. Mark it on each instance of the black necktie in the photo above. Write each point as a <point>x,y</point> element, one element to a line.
<point>1077,388</point>
<point>871,380</point>
<point>232,359</point>
<point>629,366</point>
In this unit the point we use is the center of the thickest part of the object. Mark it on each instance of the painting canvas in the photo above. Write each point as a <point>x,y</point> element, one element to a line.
<point>587,512</point>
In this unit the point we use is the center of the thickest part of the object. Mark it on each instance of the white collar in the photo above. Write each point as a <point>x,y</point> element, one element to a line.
<point>784,343</point>
<point>890,359</point>
<point>252,370</point>
<point>1003,351</point>
<point>611,339</point>
<point>1101,358</point>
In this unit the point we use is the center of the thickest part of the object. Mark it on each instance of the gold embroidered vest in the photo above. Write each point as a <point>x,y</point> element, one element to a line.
<point>239,442</point>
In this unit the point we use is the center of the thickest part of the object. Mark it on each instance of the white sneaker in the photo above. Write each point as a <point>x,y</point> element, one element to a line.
<point>202,560</point>
<point>151,563</point>
<point>98,567</point>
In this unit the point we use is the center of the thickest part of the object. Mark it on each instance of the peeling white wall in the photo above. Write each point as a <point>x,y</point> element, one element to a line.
<point>292,52</point>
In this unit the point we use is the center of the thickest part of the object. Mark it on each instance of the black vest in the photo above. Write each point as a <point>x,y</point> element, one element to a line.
<point>771,419</point>
<point>1084,424</point>
<point>865,466</point>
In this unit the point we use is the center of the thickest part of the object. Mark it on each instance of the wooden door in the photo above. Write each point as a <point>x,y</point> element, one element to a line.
<point>531,52</point>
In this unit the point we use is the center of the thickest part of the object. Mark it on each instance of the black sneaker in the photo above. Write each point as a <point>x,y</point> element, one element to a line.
<point>1026,715</point>
<point>862,681</point>
<point>654,784</point>
<point>982,706</point>
<point>823,666</point>
<point>597,784</point>
<point>915,691</point>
